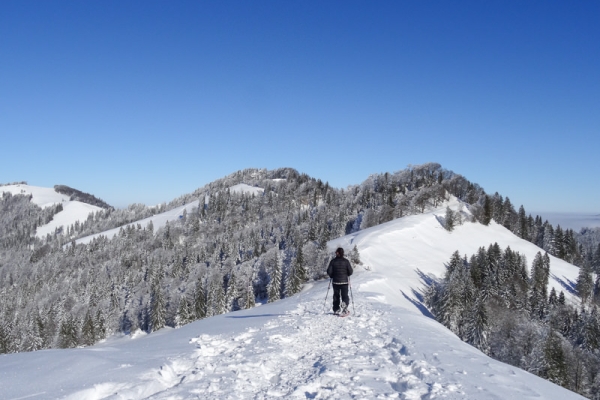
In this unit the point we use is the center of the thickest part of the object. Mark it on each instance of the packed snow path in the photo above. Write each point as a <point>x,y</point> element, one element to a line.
<point>306,354</point>
<point>301,354</point>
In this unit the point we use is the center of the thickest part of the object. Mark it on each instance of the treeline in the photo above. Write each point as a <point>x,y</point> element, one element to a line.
<point>77,195</point>
<point>495,302</point>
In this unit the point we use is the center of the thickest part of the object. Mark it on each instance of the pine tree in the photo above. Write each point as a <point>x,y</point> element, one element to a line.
<point>217,295</point>
<point>232,295</point>
<point>88,335</point>
<point>250,297</point>
<point>157,306</point>
<point>556,363</point>
<point>200,310</point>
<point>274,287</point>
<point>596,260</point>
<point>449,219</point>
<point>487,210</point>
<point>585,282</point>
<point>522,224</point>
<point>477,325</point>
<point>297,275</point>
<point>100,328</point>
<point>6,341</point>
<point>68,333</point>
<point>184,313</point>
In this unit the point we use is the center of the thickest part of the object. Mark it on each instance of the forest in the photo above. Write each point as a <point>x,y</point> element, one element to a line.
<point>237,249</point>
<point>495,302</point>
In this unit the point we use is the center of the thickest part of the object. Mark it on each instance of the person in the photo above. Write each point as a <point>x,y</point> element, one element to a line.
<point>339,270</point>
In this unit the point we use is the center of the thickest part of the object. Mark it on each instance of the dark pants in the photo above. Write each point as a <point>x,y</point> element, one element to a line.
<point>340,290</point>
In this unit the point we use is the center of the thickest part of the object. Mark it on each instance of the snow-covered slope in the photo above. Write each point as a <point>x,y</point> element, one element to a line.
<point>402,250</point>
<point>244,188</point>
<point>388,348</point>
<point>158,221</point>
<point>45,197</point>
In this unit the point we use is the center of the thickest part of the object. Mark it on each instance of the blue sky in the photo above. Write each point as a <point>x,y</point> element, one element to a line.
<point>145,101</point>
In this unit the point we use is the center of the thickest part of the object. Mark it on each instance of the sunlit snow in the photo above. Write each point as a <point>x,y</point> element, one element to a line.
<point>389,347</point>
<point>45,197</point>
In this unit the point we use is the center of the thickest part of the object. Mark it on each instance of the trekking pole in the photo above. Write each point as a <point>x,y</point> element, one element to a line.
<point>351,296</point>
<point>325,303</point>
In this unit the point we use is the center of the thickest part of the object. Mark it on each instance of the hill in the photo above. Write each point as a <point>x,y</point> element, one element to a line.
<point>390,347</point>
<point>70,210</point>
<point>255,236</point>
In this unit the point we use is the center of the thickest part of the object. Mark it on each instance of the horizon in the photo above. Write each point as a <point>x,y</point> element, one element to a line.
<point>141,102</point>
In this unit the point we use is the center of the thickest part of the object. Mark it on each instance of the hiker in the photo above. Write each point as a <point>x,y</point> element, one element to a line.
<point>339,270</point>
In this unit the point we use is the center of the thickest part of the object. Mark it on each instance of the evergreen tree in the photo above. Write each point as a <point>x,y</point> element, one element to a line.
<point>449,219</point>
<point>274,288</point>
<point>596,260</point>
<point>522,224</point>
<point>184,313</point>
<point>68,334</point>
<point>5,338</point>
<point>200,310</point>
<point>585,282</point>
<point>217,296</point>
<point>556,363</point>
<point>88,334</point>
<point>477,325</point>
<point>487,210</point>
<point>232,295</point>
<point>157,306</point>
<point>297,275</point>
<point>250,297</point>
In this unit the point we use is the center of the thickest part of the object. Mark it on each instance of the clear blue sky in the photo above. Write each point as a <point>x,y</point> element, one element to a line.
<point>145,101</point>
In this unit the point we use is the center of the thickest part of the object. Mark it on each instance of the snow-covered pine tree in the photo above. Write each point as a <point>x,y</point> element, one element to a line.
<point>68,333</point>
<point>200,310</point>
<point>274,286</point>
<point>88,333</point>
<point>585,282</point>
<point>449,220</point>
<point>297,274</point>
<point>232,294</point>
<point>184,313</point>
<point>157,305</point>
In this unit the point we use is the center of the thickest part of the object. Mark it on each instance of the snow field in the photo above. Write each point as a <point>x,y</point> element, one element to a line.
<point>301,354</point>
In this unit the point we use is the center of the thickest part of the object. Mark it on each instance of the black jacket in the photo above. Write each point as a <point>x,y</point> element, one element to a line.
<point>339,270</point>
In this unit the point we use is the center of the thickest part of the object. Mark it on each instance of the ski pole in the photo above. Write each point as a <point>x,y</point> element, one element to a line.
<point>351,296</point>
<point>324,304</point>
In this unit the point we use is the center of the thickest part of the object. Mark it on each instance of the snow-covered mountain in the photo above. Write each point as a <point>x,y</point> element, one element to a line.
<point>73,210</point>
<point>389,347</point>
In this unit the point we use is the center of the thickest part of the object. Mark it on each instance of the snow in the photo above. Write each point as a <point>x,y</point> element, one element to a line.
<point>389,347</point>
<point>42,196</point>
<point>72,211</point>
<point>247,189</point>
<point>46,197</point>
<point>158,221</point>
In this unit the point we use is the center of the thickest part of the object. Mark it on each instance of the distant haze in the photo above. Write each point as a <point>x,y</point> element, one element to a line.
<point>574,221</point>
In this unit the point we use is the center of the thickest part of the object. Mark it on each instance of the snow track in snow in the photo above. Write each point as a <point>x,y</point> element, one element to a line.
<point>302,354</point>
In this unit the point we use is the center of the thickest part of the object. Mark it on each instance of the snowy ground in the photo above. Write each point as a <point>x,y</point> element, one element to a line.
<point>158,221</point>
<point>388,348</point>
<point>46,197</point>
